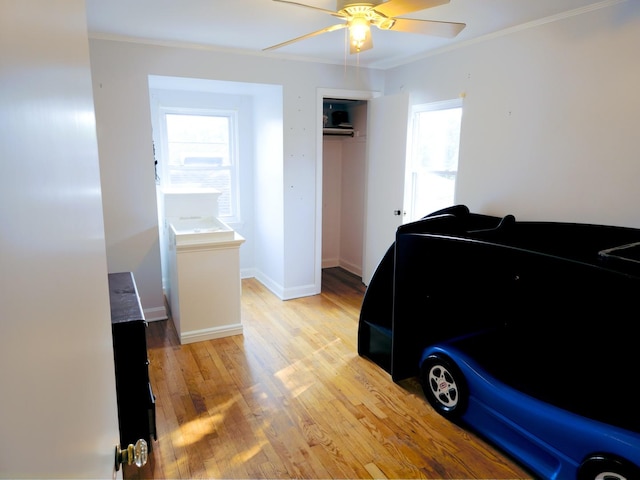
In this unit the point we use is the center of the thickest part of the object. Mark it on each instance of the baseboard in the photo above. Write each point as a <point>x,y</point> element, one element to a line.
<point>247,272</point>
<point>298,292</point>
<point>351,268</point>
<point>211,333</point>
<point>155,314</point>
<point>272,286</point>
<point>286,293</point>
<point>330,262</point>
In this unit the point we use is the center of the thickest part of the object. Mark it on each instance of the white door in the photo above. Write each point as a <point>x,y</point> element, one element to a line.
<point>58,414</point>
<point>387,123</point>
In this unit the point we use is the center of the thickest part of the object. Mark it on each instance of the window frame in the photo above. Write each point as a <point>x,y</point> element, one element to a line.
<point>410,181</point>
<point>234,156</point>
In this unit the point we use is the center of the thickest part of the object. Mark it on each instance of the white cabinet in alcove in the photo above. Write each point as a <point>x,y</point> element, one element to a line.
<point>203,256</point>
<point>205,288</point>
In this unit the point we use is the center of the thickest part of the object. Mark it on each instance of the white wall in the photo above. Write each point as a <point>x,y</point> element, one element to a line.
<point>128,181</point>
<point>58,413</point>
<point>285,156</point>
<point>550,122</point>
<point>268,180</point>
<point>353,208</point>
<point>331,200</point>
<point>354,169</point>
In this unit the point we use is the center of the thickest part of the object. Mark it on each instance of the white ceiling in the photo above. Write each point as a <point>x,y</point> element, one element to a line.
<point>248,26</point>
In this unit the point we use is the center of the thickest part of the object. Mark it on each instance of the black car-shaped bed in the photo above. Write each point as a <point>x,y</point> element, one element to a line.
<point>454,272</point>
<point>523,331</point>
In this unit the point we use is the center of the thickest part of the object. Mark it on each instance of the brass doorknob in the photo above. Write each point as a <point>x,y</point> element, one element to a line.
<point>138,454</point>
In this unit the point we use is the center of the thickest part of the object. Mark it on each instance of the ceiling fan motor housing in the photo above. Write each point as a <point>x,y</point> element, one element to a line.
<point>365,10</point>
<point>344,4</point>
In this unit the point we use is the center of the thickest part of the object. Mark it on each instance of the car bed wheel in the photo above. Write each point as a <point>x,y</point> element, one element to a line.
<point>444,386</point>
<point>603,468</point>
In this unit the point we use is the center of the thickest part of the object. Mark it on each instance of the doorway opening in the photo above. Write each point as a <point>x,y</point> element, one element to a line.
<point>343,174</point>
<point>341,181</point>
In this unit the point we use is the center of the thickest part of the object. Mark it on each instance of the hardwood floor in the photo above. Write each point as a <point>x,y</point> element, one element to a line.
<point>291,398</point>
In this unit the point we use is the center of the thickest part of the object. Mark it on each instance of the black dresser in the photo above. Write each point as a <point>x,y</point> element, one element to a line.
<point>136,402</point>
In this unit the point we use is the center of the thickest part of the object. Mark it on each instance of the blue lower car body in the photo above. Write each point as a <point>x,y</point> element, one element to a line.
<point>550,441</point>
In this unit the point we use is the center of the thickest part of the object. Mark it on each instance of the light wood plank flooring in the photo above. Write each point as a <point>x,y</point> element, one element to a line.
<point>291,398</point>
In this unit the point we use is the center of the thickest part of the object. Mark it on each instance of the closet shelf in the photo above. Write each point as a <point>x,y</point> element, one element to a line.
<point>338,131</point>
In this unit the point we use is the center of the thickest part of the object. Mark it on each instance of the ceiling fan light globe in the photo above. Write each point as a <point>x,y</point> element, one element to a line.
<point>358,31</point>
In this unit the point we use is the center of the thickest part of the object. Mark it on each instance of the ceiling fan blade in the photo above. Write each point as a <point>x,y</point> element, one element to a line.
<point>394,8</point>
<point>428,27</point>
<point>367,45</point>
<point>308,35</point>
<point>330,12</point>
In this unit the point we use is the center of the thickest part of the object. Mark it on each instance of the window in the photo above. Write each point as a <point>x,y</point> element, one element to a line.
<point>200,154</point>
<point>433,162</point>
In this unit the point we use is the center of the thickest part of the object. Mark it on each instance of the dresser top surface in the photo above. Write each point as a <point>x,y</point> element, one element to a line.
<point>124,298</point>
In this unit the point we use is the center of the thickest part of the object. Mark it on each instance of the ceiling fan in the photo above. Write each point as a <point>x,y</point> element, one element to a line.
<point>359,16</point>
